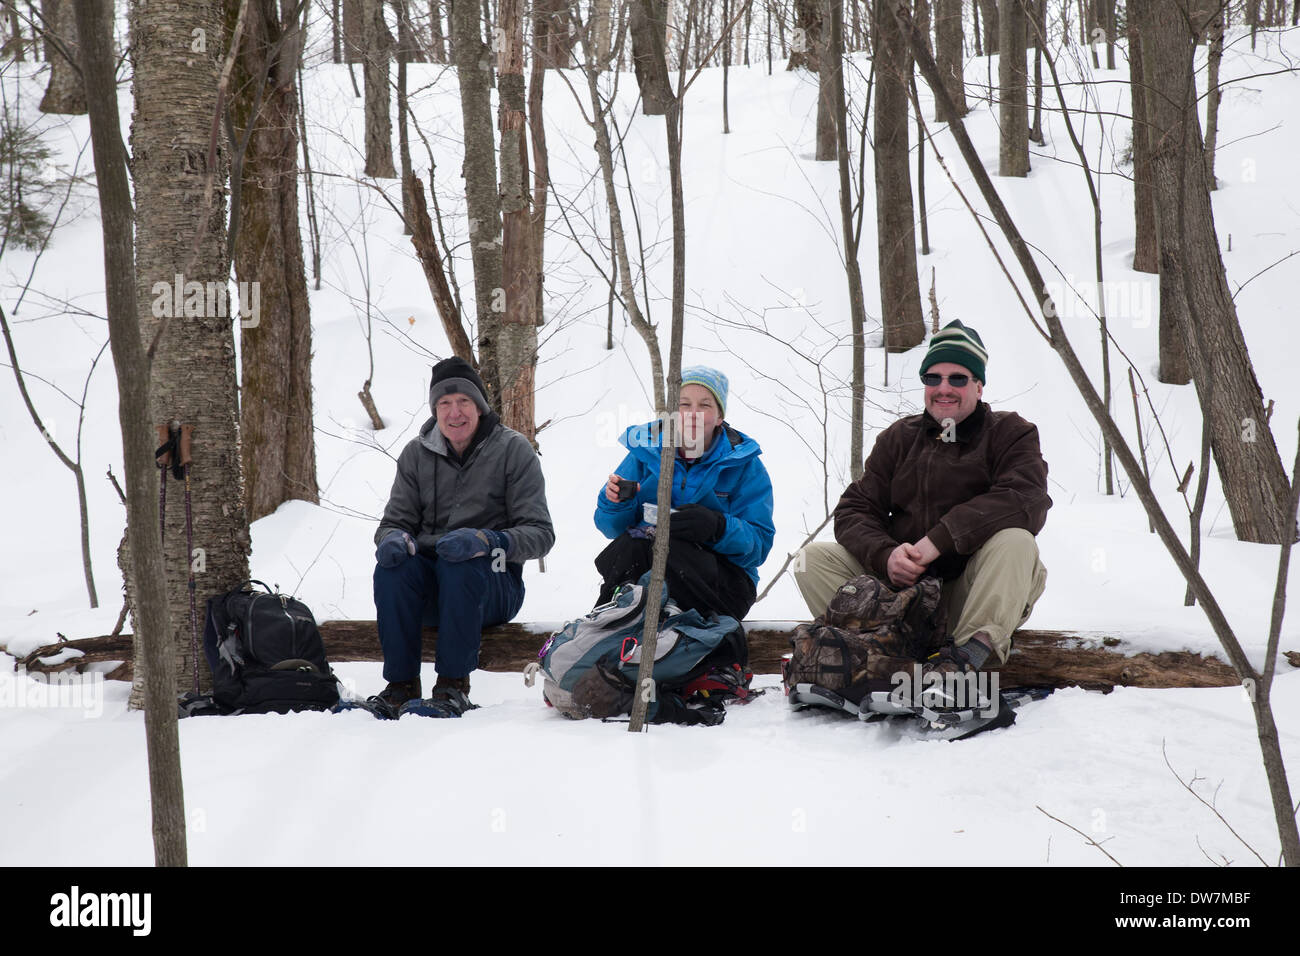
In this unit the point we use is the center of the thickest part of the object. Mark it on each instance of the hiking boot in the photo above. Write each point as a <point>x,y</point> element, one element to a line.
<point>397,693</point>
<point>952,666</point>
<point>453,683</point>
<point>451,694</point>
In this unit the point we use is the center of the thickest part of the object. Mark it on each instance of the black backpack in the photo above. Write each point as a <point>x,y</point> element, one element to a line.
<point>266,654</point>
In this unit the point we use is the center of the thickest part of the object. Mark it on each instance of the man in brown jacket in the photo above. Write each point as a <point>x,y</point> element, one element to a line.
<point>958,492</point>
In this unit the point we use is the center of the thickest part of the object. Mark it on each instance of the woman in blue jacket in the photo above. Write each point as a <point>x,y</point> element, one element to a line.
<point>721,527</point>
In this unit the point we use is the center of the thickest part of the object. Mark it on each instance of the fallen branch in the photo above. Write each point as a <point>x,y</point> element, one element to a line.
<point>1090,840</point>
<point>1187,785</point>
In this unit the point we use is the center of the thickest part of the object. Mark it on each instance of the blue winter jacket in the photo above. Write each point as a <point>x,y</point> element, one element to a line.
<point>729,478</point>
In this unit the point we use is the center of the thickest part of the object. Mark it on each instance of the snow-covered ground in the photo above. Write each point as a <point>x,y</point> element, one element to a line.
<point>767,303</point>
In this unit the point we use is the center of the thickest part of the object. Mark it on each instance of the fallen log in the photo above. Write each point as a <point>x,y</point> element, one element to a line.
<point>1038,658</point>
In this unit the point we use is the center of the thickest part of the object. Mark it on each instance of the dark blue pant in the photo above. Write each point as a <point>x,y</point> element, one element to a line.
<point>459,598</point>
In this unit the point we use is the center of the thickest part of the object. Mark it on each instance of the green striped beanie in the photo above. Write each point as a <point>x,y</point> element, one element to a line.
<point>958,344</point>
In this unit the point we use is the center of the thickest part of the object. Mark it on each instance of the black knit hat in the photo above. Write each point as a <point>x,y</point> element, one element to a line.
<point>959,344</point>
<point>455,375</point>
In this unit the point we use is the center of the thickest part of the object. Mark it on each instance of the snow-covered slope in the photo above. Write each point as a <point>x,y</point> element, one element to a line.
<point>767,303</point>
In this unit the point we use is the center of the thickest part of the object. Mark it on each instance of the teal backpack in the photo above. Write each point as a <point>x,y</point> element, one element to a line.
<point>591,664</point>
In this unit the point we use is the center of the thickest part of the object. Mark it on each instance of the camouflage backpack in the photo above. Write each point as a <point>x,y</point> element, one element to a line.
<point>869,633</point>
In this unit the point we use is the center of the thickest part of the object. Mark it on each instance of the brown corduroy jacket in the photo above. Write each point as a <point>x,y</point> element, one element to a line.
<point>987,476</point>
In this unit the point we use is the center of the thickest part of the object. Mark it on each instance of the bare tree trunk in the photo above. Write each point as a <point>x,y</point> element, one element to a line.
<point>948,52</point>
<point>694,31</point>
<point>989,11</point>
<point>900,290</point>
<point>65,93</point>
<point>405,47</point>
<point>1175,366</point>
<point>15,42</point>
<point>182,276</point>
<point>1013,107</point>
<point>826,78</point>
<point>313,227</point>
<point>517,346</point>
<point>705,36</point>
<point>1109,9</point>
<point>806,44</point>
<point>857,304</point>
<point>650,632</point>
<point>1250,469</point>
<point>1095,33</point>
<point>975,16</point>
<point>544,28</point>
<point>726,65</point>
<point>602,12</point>
<point>153,647</point>
<point>767,10</point>
<point>1038,31</point>
<point>1216,28</point>
<point>278,451</point>
<point>354,31</point>
<point>646,24</point>
<point>336,30</point>
<point>482,198</point>
<point>435,30</point>
<point>923,22</point>
<point>561,34</point>
<point>1144,210</point>
<point>410,46</point>
<point>379,123</point>
<point>920,169</point>
<point>743,40</point>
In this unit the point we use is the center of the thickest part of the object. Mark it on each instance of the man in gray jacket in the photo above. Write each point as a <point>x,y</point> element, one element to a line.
<point>467,509</point>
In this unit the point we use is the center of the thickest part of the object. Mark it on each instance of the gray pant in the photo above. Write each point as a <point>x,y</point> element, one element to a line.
<point>994,594</point>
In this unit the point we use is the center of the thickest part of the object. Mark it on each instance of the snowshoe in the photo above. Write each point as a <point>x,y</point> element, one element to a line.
<point>375,706</point>
<point>814,695</point>
<point>445,702</point>
<point>923,722</point>
<point>961,724</point>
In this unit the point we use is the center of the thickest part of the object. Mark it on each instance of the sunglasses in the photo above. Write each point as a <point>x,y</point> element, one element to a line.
<point>931,379</point>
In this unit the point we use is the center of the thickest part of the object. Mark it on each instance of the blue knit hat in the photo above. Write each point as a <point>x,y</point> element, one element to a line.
<point>711,379</point>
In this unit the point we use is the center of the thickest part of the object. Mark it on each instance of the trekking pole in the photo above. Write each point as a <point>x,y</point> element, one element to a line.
<point>163,458</point>
<point>186,433</point>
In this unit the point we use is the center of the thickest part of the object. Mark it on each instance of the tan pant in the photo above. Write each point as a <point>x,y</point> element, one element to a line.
<point>994,594</point>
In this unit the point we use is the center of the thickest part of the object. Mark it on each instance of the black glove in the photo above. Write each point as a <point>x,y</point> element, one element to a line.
<point>697,523</point>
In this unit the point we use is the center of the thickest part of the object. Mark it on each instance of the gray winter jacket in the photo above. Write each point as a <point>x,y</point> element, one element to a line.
<point>500,486</point>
